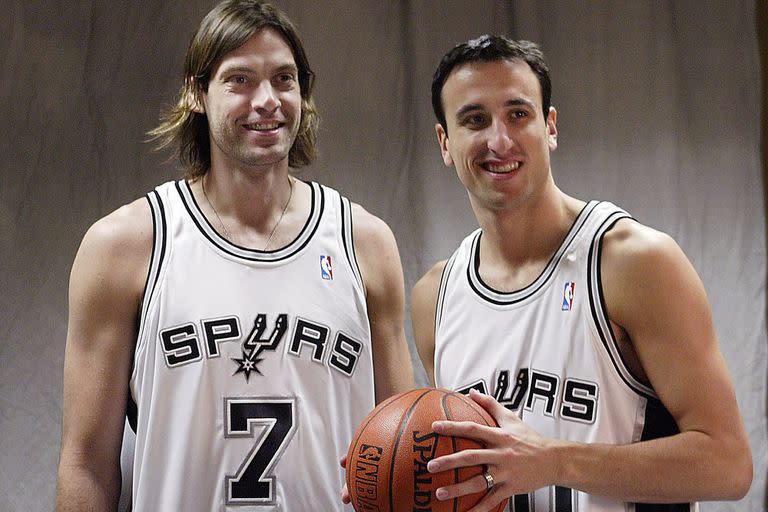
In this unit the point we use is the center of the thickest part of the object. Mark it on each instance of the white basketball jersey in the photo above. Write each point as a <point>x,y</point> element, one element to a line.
<point>252,369</point>
<point>547,352</point>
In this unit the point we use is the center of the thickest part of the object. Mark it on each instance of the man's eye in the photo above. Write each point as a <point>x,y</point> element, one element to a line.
<point>237,79</point>
<point>474,120</point>
<point>519,113</point>
<point>285,78</point>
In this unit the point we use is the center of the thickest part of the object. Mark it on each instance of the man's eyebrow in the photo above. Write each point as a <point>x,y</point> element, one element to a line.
<point>471,107</point>
<point>289,66</point>
<point>234,69</point>
<point>520,101</point>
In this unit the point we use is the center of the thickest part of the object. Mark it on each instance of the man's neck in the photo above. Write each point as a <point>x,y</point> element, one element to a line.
<point>518,242</point>
<point>257,208</point>
<point>250,195</point>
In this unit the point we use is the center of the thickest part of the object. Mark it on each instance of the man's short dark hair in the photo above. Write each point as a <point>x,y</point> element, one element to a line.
<point>489,48</point>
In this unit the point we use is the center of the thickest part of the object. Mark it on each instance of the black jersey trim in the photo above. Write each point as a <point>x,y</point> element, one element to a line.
<point>600,313</point>
<point>499,298</point>
<point>205,228</point>
<point>156,262</point>
<point>660,423</point>
<point>160,228</point>
<point>442,291</point>
<point>132,413</point>
<point>348,239</point>
<point>664,507</point>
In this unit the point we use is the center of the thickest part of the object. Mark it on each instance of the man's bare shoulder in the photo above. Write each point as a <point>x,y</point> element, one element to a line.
<point>424,292</point>
<point>124,231</point>
<point>634,247</point>
<point>376,250</point>
<point>368,228</point>
<point>116,250</point>
<point>644,275</point>
<point>424,295</point>
<point>431,279</point>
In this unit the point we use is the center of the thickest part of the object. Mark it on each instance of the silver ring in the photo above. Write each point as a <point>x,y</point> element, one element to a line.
<point>488,480</point>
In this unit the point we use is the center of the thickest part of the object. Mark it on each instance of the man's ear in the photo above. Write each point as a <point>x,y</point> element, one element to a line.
<point>442,140</point>
<point>552,129</point>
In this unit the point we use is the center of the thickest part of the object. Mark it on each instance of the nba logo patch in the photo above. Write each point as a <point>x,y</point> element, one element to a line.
<point>326,269</point>
<point>568,296</point>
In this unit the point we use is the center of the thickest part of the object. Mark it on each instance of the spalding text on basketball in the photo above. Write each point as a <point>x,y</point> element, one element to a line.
<point>424,447</point>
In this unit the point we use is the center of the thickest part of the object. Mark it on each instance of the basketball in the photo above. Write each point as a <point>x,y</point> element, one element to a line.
<point>387,459</point>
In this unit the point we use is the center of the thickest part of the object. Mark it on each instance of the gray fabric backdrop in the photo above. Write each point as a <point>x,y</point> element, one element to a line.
<point>658,111</point>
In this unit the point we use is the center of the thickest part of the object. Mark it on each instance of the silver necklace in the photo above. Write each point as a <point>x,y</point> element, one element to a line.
<point>228,235</point>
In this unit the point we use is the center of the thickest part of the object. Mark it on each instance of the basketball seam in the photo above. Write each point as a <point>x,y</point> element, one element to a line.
<point>476,408</point>
<point>479,410</point>
<point>378,410</point>
<point>447,414</point>
<point>403,424</point>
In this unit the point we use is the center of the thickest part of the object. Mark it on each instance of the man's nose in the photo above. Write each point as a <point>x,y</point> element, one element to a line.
<point>500,138</point>
<point>265,99</point>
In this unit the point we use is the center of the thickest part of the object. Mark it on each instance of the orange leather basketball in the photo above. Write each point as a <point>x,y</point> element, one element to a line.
<point>387,459</point>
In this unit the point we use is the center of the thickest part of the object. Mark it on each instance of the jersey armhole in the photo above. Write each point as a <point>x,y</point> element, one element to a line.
<point>347,240</point>
<point>157,260</point>
<point>441,291</point>
<point>599,311</point>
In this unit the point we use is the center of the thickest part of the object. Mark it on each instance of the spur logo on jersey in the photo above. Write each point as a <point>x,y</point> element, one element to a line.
<point>255,344</point>
<point>326,268</point>
<point>192,343</point>
<point>545,393</point>
<point>568,295</point>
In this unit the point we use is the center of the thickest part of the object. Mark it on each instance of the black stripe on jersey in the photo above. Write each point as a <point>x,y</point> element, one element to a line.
<point>157,257</point>
<point>317,208</point>
<point>347,238</point>
<point>664,507</point>
<point>658,422</point>
<point>520,503</point>
<point>444,278</point>
<point>132,413</point>
<point>156,261</point>
<point>499,298</point>
<point>600,313</point>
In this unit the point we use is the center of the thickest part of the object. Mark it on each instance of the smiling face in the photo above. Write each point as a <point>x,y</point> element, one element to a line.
<point>253,103</point>
<point>497,137</point>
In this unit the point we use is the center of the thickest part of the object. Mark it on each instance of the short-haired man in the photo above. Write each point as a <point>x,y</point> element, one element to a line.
<point>588,335</point>
<point>239,312</point>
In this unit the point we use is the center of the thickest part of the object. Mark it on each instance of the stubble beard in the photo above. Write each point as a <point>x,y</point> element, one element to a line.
<point>237,148</point>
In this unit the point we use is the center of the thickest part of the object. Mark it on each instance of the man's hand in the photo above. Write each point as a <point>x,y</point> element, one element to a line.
<point>517,458</point>
<point>345,498</point>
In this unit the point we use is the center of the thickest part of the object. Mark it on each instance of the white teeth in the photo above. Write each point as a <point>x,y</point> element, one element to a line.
<point>501,168</point>
<point>262,126</point>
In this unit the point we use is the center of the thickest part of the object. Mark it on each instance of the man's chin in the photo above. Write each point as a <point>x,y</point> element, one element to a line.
<point>265,158</point>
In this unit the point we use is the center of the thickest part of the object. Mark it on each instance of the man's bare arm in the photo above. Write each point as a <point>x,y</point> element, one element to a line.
<point>656,300</point>
<point>423,307</point>
<point>106,285</point>
<point>382,272</point>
